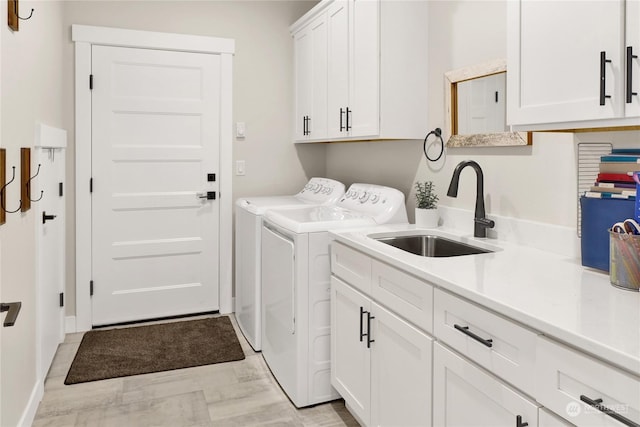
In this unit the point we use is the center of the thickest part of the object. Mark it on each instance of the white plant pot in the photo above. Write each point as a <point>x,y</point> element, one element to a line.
<point>427,218</point>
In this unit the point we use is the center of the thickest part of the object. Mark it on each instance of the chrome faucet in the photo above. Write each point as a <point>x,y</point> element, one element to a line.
<point>480,223</point>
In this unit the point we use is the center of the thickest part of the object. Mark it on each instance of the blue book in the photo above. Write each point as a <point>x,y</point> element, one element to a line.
<point>635,151</point>
<point>607,195</point>
<point>621,158</point>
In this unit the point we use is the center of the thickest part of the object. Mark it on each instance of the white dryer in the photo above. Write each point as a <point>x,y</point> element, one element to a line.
<point>296,285</point>
<point>249,211</point>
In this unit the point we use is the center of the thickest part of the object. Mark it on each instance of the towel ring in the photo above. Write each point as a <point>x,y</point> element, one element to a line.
<point>438,133</point>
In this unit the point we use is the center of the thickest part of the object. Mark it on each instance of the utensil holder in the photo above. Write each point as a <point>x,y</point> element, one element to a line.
<point>624,260</point>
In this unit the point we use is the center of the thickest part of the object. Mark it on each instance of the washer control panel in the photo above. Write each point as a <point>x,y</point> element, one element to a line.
<point>322,190</point>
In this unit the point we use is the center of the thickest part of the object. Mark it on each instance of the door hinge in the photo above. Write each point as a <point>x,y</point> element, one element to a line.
<point>90,81</point>
<point>90,185</point>
<point>61,299</point>
<point>91,288</point>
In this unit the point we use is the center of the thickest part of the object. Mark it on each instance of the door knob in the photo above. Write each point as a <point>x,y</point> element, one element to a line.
<point>13,309</point>
<point>46,217</point>
<point>209,195</point>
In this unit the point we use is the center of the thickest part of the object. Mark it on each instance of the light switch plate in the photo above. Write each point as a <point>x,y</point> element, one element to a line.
<point>240,167</point>
<point>240,130</point>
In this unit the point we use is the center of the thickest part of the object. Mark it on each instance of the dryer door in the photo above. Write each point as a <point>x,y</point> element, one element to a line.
<point>279,307</point>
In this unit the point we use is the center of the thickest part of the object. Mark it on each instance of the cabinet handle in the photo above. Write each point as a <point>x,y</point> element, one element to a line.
<point>308,127</point>
<point>362,334</point>
<point>369,340</point>
<point>347,115</point>
<point>603,76</point>
<point>519,422</point>
<point>304,125</point>
<point>597,403</point>
<point>341,113</point>
<point>630,58</point>
<point>465,330</point>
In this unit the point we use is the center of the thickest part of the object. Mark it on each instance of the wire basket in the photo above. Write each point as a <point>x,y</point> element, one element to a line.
<point>624,260</point>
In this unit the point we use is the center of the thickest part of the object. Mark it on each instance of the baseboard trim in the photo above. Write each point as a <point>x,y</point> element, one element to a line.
<point>70,325</point>
<point>30,410</point>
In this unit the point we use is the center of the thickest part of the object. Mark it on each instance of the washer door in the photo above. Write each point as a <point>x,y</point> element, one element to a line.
<point>279,308</point>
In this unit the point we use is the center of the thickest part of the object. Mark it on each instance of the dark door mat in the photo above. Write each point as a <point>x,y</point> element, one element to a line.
<point>137,350</point>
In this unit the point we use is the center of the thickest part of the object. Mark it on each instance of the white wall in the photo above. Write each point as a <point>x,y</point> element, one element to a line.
<point>262,90</point>
<point>536,183</point>
<point>31,92</point>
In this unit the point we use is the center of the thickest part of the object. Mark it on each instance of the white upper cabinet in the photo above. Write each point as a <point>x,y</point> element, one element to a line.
<point>567,64</point>
<point>310,46</point>
<point>375,69</point>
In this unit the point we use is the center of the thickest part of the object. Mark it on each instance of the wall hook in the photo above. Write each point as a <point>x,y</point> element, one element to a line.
<point>15,6</point>
<point>29,187</point>
<point>13,177</point>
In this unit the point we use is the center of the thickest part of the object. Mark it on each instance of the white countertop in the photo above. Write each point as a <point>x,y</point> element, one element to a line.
<point>552,294</point>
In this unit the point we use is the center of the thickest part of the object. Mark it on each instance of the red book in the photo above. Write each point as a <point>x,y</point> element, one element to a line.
<point>621,177</point>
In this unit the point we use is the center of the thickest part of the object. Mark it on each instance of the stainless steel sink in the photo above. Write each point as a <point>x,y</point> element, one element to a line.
<point>432,246</point>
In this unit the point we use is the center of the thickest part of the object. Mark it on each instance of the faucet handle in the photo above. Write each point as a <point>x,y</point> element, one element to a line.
<point>485,222</point>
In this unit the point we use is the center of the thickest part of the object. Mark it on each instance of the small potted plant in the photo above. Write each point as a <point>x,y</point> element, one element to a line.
<point>427,205</point>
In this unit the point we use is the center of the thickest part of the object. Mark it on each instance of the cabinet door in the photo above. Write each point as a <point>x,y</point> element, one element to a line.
<point>350,357</point>
<point>317,123</point>
<point>302,53</point>
<point>400,372</point>
<point>464,395</point>
<point>338,64</point>
<point>554,60</point>
<point>364,82</point>
<point>632,48</point>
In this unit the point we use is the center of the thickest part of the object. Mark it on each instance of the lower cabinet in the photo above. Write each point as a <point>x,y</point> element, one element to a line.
<point>381,365</point>
<point>466,395</point>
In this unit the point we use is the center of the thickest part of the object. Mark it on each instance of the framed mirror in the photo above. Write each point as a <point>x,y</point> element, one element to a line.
<point>475,99</point>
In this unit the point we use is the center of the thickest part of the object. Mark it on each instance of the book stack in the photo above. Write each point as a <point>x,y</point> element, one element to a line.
<point>615,177</point>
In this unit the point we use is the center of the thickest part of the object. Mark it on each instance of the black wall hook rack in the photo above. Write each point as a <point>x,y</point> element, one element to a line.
<point>3,196</point>
<point>29,186</point>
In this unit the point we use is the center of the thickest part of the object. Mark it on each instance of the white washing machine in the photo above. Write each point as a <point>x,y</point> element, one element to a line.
<point>249,211</point>
<point>296,287</point>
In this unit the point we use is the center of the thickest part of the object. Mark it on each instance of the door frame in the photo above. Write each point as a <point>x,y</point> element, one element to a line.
<point>84,37</point>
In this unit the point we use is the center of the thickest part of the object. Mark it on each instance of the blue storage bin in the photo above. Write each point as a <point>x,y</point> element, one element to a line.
<point>598,215</point>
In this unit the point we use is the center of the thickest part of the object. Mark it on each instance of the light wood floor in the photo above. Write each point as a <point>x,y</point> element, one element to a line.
<point>242,393</point>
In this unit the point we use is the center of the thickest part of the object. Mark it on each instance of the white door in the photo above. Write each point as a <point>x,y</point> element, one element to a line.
<point>481,105</point>
<point>51,249</point>
<point>155,148</point>
<point>465,395</point>
<point>400,372</point>
<point>350,357</point>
